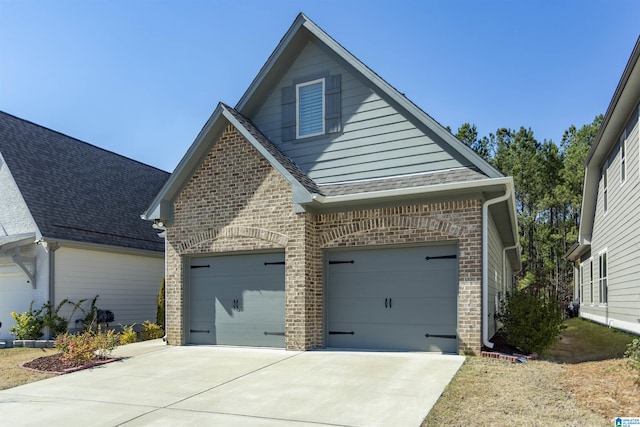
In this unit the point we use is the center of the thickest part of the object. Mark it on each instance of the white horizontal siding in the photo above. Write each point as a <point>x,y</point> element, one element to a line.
<point>618,231</point>
<point>16,292</point>
<point>128,285</point>
<point>376,141</point>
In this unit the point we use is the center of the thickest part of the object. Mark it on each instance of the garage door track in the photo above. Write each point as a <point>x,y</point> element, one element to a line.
<point>161,385</point>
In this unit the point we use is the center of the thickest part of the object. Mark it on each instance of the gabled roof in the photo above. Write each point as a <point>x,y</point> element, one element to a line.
<point>305,191</point>
<point>78,192</point>
<point>303,187</point>
<point>301,31</point>
<point>623,102</point>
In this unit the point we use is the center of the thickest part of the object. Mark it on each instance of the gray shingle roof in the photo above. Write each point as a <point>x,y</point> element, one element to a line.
<point>78,192</point>
<point>437,178</point>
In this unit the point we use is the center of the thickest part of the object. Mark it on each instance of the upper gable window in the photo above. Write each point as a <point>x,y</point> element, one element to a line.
<point>310,108</point>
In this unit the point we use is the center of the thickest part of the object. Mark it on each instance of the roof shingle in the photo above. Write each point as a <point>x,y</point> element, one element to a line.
<point>78,192</point>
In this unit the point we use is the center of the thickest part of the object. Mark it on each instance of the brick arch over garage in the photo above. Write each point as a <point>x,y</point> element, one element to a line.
<point>381,230</point>
<point>232,238</point>
<point>459,221</point>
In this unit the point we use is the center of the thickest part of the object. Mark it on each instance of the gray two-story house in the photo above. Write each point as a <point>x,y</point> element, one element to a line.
<point>607,254</point>
<point>327,210</point>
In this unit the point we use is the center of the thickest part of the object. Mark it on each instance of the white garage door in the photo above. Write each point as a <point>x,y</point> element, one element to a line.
<point>237,300</point>
<point>393,298</point>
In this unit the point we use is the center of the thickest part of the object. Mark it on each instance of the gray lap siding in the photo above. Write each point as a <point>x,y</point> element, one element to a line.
<point>235,201</point>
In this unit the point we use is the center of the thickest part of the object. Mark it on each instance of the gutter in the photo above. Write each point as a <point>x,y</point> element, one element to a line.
<point>412,191</point>
<point>485,260</point>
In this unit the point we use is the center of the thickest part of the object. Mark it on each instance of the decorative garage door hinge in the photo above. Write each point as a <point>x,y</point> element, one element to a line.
<point>453,337</point>
<point>441,257</point>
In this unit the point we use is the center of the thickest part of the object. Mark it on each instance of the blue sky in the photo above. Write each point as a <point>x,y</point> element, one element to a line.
<point>140,78</point>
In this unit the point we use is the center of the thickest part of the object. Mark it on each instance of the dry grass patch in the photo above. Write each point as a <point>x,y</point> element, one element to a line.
<point>489,392</point>
<point>11,374</point>
<point>581,381</point>
<point>606,388</point>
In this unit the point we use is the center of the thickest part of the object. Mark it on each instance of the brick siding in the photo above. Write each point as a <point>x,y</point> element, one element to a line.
<point>236,201</point>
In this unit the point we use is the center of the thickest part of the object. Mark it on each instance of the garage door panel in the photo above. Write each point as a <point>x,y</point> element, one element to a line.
<point>382,336</point>
<point>238,298</point>
<point>391,297</point>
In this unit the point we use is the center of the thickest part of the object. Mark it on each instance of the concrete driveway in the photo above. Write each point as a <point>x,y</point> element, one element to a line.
<point>161,385</point>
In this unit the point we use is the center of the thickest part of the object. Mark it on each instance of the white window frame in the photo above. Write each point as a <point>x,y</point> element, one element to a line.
<point>591,281</point>
<point>298,86</point>
<point>603,281</point>
<point>623,157</point>
<point>581,283</point>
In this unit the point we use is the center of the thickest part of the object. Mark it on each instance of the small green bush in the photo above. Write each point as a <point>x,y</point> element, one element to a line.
<point>632,355</point>
<point>106,342</point>
<point>28,325</point>
<point>84,347</point>
<point>76,349</point>
<point>128,335</point>
<point>150,331</point>
<point>532,324</point>
<point>161,306</point>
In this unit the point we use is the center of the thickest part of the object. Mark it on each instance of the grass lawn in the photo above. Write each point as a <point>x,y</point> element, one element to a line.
<point>581,381</point>
<point>11,375</point>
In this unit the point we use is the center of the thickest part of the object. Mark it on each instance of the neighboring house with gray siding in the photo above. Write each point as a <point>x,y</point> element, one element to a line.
<point>70,226</point>
<point>607,255</point>
<point>327,210</point>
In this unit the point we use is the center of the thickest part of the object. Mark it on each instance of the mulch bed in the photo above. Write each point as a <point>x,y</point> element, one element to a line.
<point>55,365</point>
<point>502,350</point>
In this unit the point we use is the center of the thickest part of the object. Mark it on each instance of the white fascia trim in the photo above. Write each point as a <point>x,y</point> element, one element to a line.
<point>414,191</point>
<point>176,177</point>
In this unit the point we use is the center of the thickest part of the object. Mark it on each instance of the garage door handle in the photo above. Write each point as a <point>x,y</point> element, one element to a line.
<point>198,331</point>
<point>341,333</point>
<point>385,303</point>
<point>390,302</point>
<point>453,337</point>
<point>274,333</point>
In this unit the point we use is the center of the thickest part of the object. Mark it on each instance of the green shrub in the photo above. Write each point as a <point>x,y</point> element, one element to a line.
<point>106,342</point>
<point>161,306</point>
<point>84,347</point>
<point>150,331</point>
<point>633,357</point>
<point>128,335</point>
<point>76,349</point>
<point>28,325</point>
<point>532,324</point>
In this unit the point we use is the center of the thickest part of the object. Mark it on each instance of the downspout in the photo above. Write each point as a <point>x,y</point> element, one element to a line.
<point>485,261</point>
<point>52,273</point>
